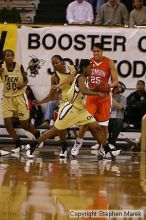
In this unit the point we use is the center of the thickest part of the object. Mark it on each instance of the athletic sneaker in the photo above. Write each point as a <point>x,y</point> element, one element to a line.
<point>27,147</point>
<point>76,147</point>
<point>101,153</point>
<point>63,153</point>
<point>108,152</point>
<point>95,147</point>
<point>4,153</point>
<point>29,152</point>
<point>18,149</point>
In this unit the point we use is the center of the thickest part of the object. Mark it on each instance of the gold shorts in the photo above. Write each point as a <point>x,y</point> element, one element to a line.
<point>68,116</point>
<point>15,107</point>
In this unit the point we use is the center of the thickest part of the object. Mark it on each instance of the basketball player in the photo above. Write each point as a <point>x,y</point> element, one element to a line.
<point>14,101</point>
<point>99,107</point>
<point>73,111</point>
<point>63,73</point>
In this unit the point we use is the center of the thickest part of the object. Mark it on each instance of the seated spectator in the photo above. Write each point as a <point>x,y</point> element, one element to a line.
<point>36,114</point>
<point>112,13</point>
<point>79,12</point>
<point>136,105</point>
<point>138,14</point>
<point>117,113</point>
<point>9,14</point>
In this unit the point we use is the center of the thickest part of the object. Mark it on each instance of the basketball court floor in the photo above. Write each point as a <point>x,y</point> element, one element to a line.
<point>47,188</point>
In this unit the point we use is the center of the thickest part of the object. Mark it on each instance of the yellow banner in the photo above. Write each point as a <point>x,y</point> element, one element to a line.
<point>8,36</point>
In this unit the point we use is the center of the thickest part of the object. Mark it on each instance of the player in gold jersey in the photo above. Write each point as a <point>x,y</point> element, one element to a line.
<point>14,101</point>
<point>73,110</point>
<point>62,73</point>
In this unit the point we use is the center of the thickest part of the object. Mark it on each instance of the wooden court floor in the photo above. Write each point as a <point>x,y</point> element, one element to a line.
<point>47,188</point>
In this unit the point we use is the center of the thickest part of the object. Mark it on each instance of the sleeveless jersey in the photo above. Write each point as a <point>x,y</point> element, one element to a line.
<point>100,71</point>
<point>74,95</point>
<point>10,80</point>
<point>61,77</point>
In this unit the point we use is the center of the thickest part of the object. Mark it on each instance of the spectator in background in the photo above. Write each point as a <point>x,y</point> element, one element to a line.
<point>9,14</point>
<point>136,105</point>
<point>79,12</point>
<point>112,13</point>
<point>117,113</point>
<point>138,14</point>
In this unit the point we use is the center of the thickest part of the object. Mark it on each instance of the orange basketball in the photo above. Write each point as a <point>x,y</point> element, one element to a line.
<point>102,87</point>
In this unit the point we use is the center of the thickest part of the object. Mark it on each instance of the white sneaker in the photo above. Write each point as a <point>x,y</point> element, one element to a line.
<point>95,147</point>
<point>4,153</point>
<point>109,153</point>
<point>27,147</point>
<point>63,154</point>
<point>29,154</point>
<point>101,154</point>
<point>18,149</point>
<point>76,148</point>
<point>114,153</point>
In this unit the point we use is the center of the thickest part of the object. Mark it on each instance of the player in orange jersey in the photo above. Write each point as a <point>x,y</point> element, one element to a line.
<point>103,69</point>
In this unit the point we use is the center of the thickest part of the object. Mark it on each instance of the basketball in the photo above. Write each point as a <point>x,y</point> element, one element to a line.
<point>102,87</point>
